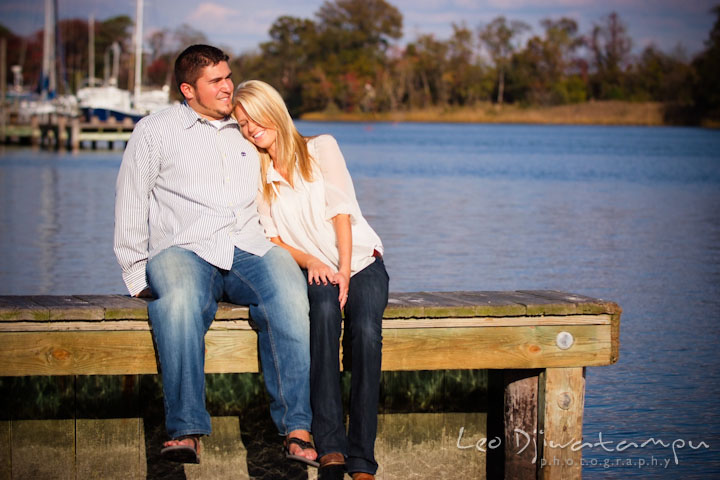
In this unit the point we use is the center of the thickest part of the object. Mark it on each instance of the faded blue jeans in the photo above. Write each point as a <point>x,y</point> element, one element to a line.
<point>187,289</point>
<point>367,299</point>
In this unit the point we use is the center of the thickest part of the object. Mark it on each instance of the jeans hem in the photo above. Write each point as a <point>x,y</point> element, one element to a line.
<point>292,428</point>
<point>184,433</point>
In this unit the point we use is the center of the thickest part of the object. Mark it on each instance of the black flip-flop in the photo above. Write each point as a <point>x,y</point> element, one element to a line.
<point>299,458</point>
<point>183,453</point>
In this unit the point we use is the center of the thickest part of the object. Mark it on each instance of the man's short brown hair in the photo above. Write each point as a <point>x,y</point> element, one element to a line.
<point>189,64</point>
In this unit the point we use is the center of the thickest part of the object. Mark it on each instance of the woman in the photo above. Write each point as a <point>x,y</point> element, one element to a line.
<point>308,206</point>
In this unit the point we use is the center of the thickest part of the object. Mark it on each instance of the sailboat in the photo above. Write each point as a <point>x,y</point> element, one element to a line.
<point>48,102</point>
<point>108,101</point>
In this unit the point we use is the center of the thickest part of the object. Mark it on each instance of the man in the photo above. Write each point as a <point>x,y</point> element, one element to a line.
<point>187,231</point>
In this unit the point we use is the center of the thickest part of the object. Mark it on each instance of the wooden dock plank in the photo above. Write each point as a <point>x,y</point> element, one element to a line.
<point>490,304</point>
<point>18,308</point>
<point>583,304</point>
<point>494,347</point>
<point>229,311</point>
<point>439,304</point>
<point>482,322</point>
<point>130,352</point>
<point>68,307</point>
<point>224,455</point>
<point>115,353</point>
<point>5,450</point>
<point>110,448</point>
<point>400,305</point>
<point>43,449</point>
<point>117,307</point>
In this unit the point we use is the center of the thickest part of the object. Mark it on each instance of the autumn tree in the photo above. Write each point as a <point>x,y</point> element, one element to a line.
<point>500,39</point>
<point>662,77</point>
<point>610,46</point>
<point>465,77</point>
<point>546,70</point>
<point>353,36</point>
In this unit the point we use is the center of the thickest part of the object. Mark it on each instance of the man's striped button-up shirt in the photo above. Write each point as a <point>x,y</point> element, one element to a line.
<point>186,182</point>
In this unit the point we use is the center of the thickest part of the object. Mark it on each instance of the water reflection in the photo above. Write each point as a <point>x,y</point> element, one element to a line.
<point>627,214</point>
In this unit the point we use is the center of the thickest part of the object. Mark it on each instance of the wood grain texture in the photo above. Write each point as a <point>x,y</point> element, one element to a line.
<point>98,334</point>
<point>15,308</point>
<point>5,450</point>
<point>110,448</point>
<point>561,406</point>
<point>43,449</point>
<point>400,305</point>
<point>132,352</point>
<point>520,412</point>
<point>69,308</point>
<point>493,347</point>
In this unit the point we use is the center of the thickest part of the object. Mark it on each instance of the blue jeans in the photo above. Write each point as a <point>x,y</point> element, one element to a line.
<point>367,299</point>
<point>187,289</point>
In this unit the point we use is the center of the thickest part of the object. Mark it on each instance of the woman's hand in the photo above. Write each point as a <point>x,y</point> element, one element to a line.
<point>319,272</point>
<point>342,280</point>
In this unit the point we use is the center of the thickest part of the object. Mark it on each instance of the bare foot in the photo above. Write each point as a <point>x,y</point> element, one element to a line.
<point>190,442</point>
<point>295,449</point>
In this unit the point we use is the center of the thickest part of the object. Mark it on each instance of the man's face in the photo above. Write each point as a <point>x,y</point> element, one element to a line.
<point>211,97</point>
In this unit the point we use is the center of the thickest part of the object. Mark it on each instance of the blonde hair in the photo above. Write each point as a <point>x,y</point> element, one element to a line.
<point>263,105</point>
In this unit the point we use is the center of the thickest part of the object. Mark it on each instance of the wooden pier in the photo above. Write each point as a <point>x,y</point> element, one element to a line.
<point>62,133</point>
<point>531,347</point>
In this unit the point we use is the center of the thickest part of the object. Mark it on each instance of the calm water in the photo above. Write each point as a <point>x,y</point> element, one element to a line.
<point>626,214</point>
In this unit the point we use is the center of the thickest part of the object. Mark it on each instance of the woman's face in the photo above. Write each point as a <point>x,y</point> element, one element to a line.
<point>261,137</point>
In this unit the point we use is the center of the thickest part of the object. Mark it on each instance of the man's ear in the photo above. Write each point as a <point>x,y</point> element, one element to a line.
<point>187,90</point>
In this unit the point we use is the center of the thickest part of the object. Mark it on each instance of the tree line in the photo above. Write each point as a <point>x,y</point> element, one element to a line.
<point>347,58</point>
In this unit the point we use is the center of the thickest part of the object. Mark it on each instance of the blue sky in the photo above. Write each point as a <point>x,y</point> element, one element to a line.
<point>240,25</point>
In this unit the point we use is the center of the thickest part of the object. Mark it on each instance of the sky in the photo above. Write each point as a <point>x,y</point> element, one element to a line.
<point>241,25</point>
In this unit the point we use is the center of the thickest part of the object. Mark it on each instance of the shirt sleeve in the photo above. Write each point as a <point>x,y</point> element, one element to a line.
<point>266,219</point>
<point>138,171</point>
<point>339,190</point>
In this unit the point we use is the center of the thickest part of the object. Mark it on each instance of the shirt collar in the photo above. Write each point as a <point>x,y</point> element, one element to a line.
<point>191,117</point>
<point>274,176</point>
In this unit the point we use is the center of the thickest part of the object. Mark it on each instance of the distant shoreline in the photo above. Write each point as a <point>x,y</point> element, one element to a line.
<point>588,113</point>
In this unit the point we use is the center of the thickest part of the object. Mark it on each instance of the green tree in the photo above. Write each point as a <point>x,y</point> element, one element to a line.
<point>354,36</point>
<point>116,29</point>
<point>74,68</point>
<point>16,50</point>
<point>465,73</point>
<point>662,77</point>
<point>707,65</point>
<point>610,46</point>
<point>545,72</point>
<point>429,60</point>
<point>499,38</point>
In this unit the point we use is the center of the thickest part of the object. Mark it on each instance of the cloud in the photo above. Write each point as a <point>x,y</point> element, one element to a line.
<point>209,13</point>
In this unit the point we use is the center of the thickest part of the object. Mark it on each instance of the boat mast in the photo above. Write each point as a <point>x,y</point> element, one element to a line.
<point>48,81</point>
<point>91,51</point>
<point>138,48</point>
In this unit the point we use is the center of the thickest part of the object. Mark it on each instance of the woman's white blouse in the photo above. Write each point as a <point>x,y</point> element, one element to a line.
<point>302,216</point>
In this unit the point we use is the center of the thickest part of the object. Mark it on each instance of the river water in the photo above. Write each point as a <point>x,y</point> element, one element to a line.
<point>627,214</point>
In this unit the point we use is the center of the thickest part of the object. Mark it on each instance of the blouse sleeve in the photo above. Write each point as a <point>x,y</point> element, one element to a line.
<point>339,190</point>
<point>266,219</point>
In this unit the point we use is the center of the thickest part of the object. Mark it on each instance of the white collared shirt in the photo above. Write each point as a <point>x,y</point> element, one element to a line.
<point>302,216</point>
<point>188,183</point>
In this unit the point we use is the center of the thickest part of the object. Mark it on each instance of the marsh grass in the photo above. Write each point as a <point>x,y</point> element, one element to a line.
<point>588,113</point>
